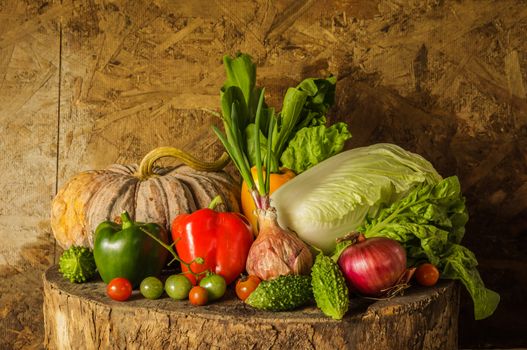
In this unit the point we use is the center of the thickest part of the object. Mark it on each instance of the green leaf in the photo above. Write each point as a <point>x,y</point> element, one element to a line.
<point>312,145</point>
<point>429,222</point>
<point>460,263</point>
<point>292,107</point>
<point>250,136</point>
<point>321,96</point>
<point>241,73</point>
<point>233,95</point>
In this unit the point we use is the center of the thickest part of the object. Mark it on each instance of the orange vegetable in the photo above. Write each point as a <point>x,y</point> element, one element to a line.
<point>248,206</point>
<point>427,275</point>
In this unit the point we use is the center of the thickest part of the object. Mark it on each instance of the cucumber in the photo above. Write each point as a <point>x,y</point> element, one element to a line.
<point>282,293</point>
<point>329,287</point>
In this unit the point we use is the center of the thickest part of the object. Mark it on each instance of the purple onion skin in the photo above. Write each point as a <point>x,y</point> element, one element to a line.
<point>373,265</point>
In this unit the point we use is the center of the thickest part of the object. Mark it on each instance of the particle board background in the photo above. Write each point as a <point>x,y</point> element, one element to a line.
<point>85,83</point>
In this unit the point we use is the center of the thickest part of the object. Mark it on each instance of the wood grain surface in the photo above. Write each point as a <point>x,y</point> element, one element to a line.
<point>83,316</point>
<point>86,83</point>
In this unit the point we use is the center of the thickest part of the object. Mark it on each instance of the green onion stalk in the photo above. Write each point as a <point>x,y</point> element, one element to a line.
<point>275,251</point>
<point>233,142</point>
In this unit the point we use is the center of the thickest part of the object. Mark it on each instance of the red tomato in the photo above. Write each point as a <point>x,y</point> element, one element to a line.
<point>198,296</point>
<point>246,285</point>
<point>427,275</point>
<point>119,289</point>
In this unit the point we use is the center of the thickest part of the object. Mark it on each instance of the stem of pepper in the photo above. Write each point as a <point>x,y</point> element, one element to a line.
<point>126,221</point>
<point>170,248</point>
<point>215,201</point>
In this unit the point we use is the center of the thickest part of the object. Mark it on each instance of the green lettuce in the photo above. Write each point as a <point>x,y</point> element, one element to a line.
<point>300,138</point>
<point>311,145</point>
<point>430,223</point>
<point>302,121</point>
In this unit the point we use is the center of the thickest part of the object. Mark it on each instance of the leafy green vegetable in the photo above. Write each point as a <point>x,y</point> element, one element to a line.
<point>240,86</point>
<point>311,145</point>
<point>333,197</point>
<point>77,264</point>
<point>304,106</point>
<point>430,223</point>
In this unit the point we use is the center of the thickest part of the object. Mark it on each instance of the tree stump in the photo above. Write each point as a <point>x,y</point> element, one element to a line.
<point>81,316</point>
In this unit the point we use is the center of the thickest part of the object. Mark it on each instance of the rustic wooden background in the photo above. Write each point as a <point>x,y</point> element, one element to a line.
<point>84,83</point>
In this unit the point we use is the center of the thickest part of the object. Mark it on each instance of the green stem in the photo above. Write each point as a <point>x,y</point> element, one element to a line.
<point>269,159</point>
<point>234,156</point>
<point>171,250</point>
<point>215,202</point>
<point>126,220</point>
<point>261,181</point>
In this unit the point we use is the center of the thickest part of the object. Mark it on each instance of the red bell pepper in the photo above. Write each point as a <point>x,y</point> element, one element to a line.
<point>221,239</point>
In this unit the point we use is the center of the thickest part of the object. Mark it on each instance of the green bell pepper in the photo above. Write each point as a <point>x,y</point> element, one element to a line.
<point>127,251</point>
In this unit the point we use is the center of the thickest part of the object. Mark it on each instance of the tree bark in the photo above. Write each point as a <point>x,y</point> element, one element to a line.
<point>81,316</point>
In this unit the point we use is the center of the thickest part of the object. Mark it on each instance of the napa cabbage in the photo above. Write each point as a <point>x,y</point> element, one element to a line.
<point>334,197</point>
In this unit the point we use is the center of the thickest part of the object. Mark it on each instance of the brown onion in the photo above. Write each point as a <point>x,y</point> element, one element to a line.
<point>276,251</point>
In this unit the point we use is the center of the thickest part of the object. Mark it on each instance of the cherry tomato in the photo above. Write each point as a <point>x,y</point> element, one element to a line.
<point>151,287</point>
<point>215,286</point>
<point>177,287</point>
<point>427,275</point>
<point>119,289</point>
<point>198,296</point>
<point>246,285</point>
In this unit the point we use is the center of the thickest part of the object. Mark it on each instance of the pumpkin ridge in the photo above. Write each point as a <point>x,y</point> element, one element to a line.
<point>102,200</point>
<point>136,196</point>
<point>93,196</point>
<point>123,195</point>
<point>199,188</point>
<point>163,194</point>
<point>182,200</point>
<point>226,189</point>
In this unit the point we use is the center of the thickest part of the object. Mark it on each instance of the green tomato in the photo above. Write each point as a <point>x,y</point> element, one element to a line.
<point>151,288</point>
<point>178,287</point>
<point>215,286</point>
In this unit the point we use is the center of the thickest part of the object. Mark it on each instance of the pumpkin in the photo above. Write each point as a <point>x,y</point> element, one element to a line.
<point>148,193</point>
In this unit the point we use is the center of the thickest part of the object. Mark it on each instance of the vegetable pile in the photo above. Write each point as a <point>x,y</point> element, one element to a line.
<point>320,225</point>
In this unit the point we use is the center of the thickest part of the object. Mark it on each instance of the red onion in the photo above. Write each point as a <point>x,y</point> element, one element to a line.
<point>373,265</point>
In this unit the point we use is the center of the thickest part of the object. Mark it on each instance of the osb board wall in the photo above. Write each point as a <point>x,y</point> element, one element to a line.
<point>85,83</point>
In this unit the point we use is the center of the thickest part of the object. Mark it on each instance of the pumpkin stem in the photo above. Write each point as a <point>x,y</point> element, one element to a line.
<point>146,167</point>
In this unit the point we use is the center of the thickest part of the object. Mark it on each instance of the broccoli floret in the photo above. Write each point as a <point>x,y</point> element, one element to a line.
<point>77,264</point>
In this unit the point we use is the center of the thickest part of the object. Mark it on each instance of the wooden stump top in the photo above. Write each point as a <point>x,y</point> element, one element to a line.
<point>82,315</point>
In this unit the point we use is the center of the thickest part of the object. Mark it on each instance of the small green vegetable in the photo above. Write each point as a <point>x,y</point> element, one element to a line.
<point>215,286</point>
<point>77,264</point>
<point>151,287</point>
<point>178,287</point>
<point>282,293</point>
<point>133,250</point>
<point>329,287</point>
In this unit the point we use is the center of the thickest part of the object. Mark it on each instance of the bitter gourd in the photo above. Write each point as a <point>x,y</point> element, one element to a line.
<point>282,293</point>
<point>329,287</point>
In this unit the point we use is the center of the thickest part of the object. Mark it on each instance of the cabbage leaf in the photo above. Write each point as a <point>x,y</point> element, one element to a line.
<point>333,197</point>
